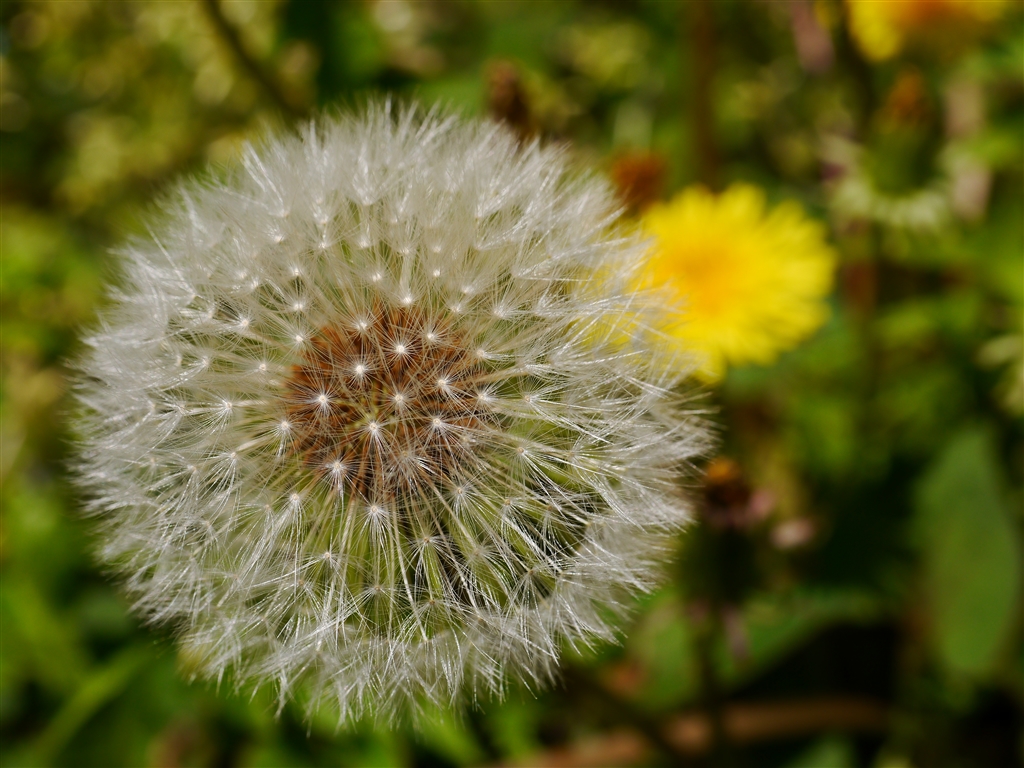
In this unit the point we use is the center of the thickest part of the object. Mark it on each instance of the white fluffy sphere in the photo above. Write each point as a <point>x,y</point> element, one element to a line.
<point>377,416</point>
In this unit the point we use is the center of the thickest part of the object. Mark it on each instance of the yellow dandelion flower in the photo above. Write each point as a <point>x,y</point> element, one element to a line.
<point>883,27</point>
<point>751,280</point>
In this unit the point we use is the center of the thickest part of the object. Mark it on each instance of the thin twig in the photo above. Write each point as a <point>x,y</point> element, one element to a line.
<point>701,43</point>
<point>690,734</point>
<point>230,36</point>
<point>711,691</point>
<point>627,713</point>
<point>851,60</point>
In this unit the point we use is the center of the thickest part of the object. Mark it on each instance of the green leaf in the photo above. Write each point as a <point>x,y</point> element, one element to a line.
<point>514,724</point>
<point>50,644</point>
<point>775,624</point>
<point>969,551</point>
<point>444,734</point>
<point>102,686</point>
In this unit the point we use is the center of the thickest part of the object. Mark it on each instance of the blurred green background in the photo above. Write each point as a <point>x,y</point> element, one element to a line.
<point>851,595</point>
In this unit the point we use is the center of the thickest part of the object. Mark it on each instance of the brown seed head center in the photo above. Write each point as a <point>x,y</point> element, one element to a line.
<point>387,405</point>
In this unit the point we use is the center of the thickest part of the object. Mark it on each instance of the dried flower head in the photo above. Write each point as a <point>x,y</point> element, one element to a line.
<point>362,418</point>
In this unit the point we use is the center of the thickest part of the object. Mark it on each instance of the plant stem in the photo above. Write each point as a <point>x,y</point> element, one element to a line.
<point>231,38</point>
<point>626,712</point>
<point>701,43</point>
<point>720,749</point>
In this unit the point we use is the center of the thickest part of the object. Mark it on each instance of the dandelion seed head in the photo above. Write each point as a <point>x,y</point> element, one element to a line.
<point>466,535</point>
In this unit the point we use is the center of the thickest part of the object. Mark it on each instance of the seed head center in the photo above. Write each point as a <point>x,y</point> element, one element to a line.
<point>365,397</point>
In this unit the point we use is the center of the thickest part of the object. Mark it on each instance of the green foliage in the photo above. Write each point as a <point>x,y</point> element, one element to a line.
<point>870,552</point>
<point>969,545</point>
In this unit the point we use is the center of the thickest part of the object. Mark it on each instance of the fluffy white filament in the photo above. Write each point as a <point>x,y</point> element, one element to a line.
<point>376,416</point>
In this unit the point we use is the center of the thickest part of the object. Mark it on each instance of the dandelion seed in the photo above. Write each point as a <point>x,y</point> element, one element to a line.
<point>463,531</point>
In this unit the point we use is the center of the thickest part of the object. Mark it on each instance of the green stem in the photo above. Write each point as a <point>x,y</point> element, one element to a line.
<point>701,43</point>
<point>231,38</point>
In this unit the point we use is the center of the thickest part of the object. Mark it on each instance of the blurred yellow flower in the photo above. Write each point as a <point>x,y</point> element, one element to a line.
<point>882,27</point>
<point>751,280</point>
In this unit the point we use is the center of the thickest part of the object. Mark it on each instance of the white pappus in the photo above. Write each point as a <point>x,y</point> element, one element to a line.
<point>377,415</point>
